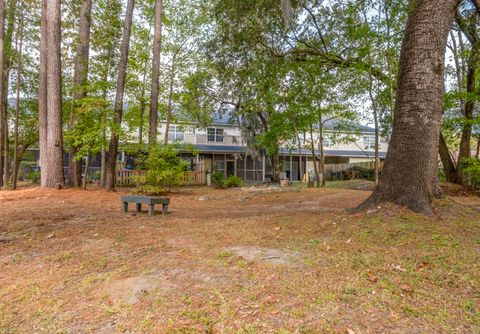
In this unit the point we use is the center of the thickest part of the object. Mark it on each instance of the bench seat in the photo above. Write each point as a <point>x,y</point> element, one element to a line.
<point>148,200</point>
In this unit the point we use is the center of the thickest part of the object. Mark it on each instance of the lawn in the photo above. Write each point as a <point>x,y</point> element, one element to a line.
<point>251,260</point>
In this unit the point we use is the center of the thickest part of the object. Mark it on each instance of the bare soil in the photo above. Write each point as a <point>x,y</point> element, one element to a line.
<point>252,260</point>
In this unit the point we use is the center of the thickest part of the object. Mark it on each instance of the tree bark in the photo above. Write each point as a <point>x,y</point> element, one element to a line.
<point>55,175</point>
<point>408,178</point>
<point>11,20</point>
<point>85,176</point>
<point>157,45</point>
<point>322,152</point>
<point>80,75</point>
<point>314,157</point>
<point>449,167</point>
<point>42,97</point>
<point>17,102</point>
<point>2,62</point>
<point>118,112</point>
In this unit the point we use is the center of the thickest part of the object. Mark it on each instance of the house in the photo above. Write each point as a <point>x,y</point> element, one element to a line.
<point>221,147</point>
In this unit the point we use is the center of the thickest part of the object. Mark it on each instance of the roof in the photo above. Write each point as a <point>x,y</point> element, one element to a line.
<point>336,153</point>
<point>285,151</point>
<point>227,117</point>
<point>221,148</point>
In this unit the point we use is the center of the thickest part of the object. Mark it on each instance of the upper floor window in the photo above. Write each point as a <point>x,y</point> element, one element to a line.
<point>369,142</point>
<point>215,135</point>
<point>175,133</point>
<point>328,142</point>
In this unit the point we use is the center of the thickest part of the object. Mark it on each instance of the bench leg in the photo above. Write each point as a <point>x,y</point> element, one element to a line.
<point>165,209</point>
<point>125,206</point>
<point>139,207</point>
<point>151,210</point>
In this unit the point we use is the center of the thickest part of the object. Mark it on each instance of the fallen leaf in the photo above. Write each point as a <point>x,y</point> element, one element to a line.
<point>350,331</point>
<point>372,278</point>
<point>51,236</point>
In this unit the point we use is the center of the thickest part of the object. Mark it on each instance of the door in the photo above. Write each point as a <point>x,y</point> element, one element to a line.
<point>230,168</point>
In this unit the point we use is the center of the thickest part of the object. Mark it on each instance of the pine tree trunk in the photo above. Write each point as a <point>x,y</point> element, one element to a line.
<point>2,62</point>
<point>42,97</point>
<point>11,20</point>
<point>409,176</point>
<point>17,103</point>
<point>118,112</point>
<point>80,75</point>
<point>55,175</point>
<point>157,45</point>
<point>322,152</point>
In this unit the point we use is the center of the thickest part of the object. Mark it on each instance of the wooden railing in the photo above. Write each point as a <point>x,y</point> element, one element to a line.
<point>126,177</point>
<point>194,178</point>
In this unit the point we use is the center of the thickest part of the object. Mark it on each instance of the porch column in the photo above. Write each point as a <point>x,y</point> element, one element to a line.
<point>291,168</point>
<point>245,168</point>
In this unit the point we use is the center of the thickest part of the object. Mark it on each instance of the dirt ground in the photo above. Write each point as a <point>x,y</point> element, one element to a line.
<point>250,260</point>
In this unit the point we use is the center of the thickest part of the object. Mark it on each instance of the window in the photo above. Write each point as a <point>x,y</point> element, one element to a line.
<point>328,142</point>
<point>175,133</point>
<point>369,142</point>
<point>215,135</point>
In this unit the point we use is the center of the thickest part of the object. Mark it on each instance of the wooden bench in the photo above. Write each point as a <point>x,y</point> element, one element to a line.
<point>149,200</point>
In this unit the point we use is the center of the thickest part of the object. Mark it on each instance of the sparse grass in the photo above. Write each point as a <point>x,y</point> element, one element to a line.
<point>384,272</point>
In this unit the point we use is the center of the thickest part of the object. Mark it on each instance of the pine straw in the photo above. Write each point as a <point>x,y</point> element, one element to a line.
<point>73,263</point>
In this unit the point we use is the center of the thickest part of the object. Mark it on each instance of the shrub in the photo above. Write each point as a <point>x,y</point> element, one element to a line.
<point>34,176</point>
<point>472,169</point>
<point>233,181</point>
<point>218,180</point>
<point>164,170</point>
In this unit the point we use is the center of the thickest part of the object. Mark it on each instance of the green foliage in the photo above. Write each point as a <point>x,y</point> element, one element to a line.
<point>34,176</point>
<point>164,170</point>
<point>472,169</point>
<point>233,181</point>
<point>218,179</point>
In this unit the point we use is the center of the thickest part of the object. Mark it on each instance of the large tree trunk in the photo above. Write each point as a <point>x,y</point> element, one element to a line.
<point>409,176</point>
<point>17,102</point>
<point>42,97</point>
<point>157,44</point>
<point>2,61</point>
<point>122,73</point>
<point>55,177</point>
<point>80,75</point>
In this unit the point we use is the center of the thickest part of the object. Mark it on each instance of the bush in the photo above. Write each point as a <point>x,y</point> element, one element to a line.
<point>34,176</point>
<point>234,181</point>
<point>218,180</point>
<point>472,169</point>
<point>164,170</point>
